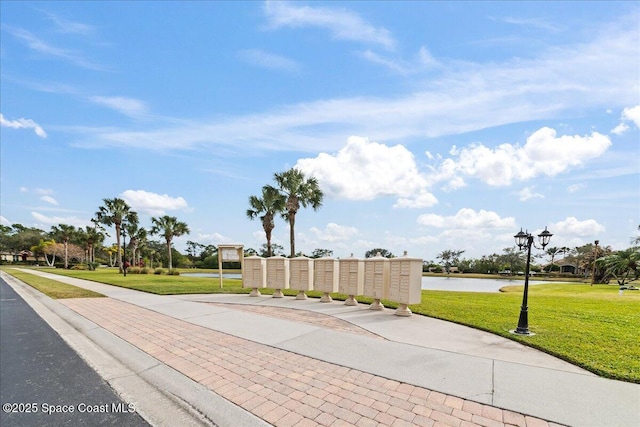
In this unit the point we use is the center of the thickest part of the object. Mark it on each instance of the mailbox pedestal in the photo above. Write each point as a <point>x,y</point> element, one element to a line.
<point>326,277</point>
<point>277,275</point>
<point>254,274</point>
<point>405,283</point>
<point>351,280</point>
<point>376,280</point>
<point>301,275</point>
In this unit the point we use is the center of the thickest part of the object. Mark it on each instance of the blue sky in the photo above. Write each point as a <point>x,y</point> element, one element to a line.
<point>429,125</point>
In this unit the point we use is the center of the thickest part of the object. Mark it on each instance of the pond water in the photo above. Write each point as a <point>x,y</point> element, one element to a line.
<point>460,284</point>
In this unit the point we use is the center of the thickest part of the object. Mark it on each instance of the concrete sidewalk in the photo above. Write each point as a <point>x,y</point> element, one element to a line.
<point>290,362</point>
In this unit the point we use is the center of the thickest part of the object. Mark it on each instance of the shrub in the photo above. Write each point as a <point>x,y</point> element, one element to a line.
<point>173,272</point>
<point>133,270</point>
<point>77,267</point>
<point>145,270</point>
<point>158,271</point>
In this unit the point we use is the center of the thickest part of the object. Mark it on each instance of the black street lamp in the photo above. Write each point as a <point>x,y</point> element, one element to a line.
<point>124,247</point>
<point>525,240</point>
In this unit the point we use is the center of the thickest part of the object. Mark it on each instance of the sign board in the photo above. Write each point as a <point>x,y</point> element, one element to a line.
<point>229,253</point>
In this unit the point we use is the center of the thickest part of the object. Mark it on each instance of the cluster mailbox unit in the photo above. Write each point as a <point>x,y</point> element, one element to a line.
<point>254,274</point>
<point>351,277</point>
<point>405,282</point>
<point>278,275</point>
<point>376,280</point>
<point>301,275</point>
<point>396,279</point>
<point>326,277</point>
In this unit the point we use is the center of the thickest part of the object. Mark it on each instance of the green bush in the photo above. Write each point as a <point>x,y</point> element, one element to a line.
<point>133,270</point>
<point>158,271</point>
<point>77,267</point>
<point>145,270</point>
<point>173,272</point>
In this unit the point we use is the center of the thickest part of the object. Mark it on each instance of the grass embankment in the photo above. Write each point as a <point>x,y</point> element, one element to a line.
<point>53,288</point>
<point>590,326</point>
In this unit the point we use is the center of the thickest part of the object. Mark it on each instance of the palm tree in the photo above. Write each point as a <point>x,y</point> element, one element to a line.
<point>169,227</point>
<point>299,191</point>
<point>64,233</point>
<point>138,238</point>
<point>271,203</point>
<point>621,264</point>
<point>114,213</point>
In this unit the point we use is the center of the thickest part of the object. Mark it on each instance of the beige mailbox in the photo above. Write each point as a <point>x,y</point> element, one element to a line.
<point>278,274</point>
<point>254,274</point>
<point>325,277</point>
<point>301,275</point>
<point>376,280</point>
<point>351,280</point>
<point>405,282</point>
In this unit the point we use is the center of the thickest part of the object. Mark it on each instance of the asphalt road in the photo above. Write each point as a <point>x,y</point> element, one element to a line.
<point>44,382</point>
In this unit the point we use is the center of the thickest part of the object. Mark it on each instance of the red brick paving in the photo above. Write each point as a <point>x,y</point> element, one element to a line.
<point>284,388</point>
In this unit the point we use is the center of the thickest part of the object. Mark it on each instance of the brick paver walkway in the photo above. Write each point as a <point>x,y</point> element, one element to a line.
<point>284,388</point>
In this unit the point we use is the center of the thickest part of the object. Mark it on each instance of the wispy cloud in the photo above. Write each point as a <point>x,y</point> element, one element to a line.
<point>423,61</point>
<point>466,97</point>
<point>531,22</point>
<point>128,106</point>
<point>268,60</point>
<point>64,25</point>
<point>341,23</point>
<point>23,124</point>
<point>38,45</point>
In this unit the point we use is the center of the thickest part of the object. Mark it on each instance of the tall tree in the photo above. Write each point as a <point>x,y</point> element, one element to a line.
<point>374,252</point>
<point>63,233</point>
<point>169,227</point>
<point>449,258</point>
<point>266,208</point>
<point>138,238</point>
<point>622,264</point>
<point>112,214</point>
<point>299,191</point>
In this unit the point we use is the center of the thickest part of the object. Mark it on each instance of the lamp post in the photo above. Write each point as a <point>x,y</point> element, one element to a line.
<point>593,267</point>
<point>525,240</point>
<point>124,247</point>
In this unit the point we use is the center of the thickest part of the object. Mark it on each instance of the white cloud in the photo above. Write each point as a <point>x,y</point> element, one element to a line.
<point>4,221</point>
<point>463,97</point>
<point>152,203</point>
<point>364,170</point>
<point>341,23</point>
<point>213,239</point>
<point>50,200</point>
<point>543,154</point>
<point>527,193</point>
<point>334,232</point>
<point>423,61</point>
<point>23,124</point>
<point>466,219</point>
<point>70,27</point>
<point>575,187</point>
<point>268,60</point>
<point>631,114</point>
<point>572,227</point>
<point>36,44</point>
<point>49,221</point>
<point>128,106</point>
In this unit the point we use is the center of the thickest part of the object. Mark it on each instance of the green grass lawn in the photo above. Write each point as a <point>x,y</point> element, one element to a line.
<point>53,288</point>
<point>590,326</point>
